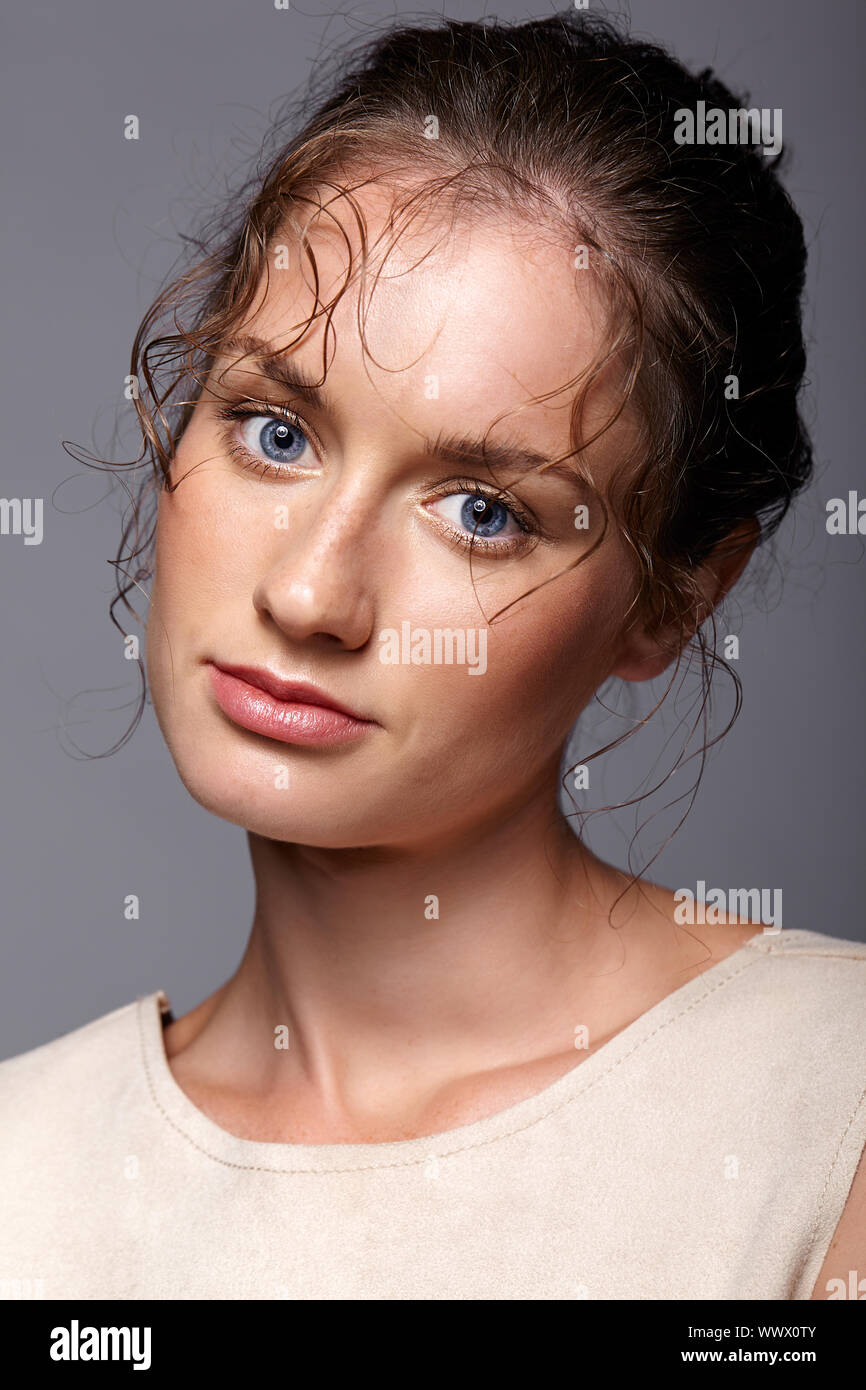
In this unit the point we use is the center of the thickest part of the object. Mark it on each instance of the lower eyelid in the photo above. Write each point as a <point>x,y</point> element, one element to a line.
<point>465,540</point>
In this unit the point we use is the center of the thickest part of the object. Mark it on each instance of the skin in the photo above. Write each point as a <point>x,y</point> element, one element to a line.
<point>400,1025</point>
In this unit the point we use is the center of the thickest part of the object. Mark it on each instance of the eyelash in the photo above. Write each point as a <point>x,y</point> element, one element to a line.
<point>470,486</point>
<point>230,414</point>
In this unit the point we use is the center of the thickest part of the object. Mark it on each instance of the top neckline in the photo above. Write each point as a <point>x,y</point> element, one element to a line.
<point>233,1151</point>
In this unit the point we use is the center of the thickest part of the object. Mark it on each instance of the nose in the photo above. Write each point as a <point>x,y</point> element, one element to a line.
<point>319,585</point>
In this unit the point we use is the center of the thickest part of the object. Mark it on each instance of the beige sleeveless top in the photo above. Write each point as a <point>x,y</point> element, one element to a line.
<point>706,1151</point>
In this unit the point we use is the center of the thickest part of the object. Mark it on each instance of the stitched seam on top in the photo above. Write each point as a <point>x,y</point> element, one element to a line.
<point>780,941</point>
<point>464,1148</point>
<point>826,955</point>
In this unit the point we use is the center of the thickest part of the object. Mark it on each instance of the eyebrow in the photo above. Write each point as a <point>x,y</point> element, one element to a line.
<point>459,450</point>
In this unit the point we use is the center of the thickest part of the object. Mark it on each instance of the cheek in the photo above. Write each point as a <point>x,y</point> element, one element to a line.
<point>544,662</point>
<point>208,538</point>
<point>555,660</point>
<point>193,561</point>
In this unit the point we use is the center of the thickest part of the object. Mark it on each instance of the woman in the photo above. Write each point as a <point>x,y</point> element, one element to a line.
<point>487,394</point>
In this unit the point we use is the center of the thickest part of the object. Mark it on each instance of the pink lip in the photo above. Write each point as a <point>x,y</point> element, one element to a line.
<point>290,711</point>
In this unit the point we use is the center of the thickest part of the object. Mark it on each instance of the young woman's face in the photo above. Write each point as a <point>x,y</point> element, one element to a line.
<point>334,552</point>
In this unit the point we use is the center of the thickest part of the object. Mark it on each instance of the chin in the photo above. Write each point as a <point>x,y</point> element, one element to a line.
<point>320,805</point>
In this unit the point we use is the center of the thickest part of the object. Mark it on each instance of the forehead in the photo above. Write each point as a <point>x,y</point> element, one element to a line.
<point>482,311</point>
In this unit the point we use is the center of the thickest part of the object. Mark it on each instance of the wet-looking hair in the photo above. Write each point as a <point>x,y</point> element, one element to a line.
<point>570,125</point>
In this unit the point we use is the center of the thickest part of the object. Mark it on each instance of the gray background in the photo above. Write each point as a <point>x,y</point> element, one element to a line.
<point>91,227</point>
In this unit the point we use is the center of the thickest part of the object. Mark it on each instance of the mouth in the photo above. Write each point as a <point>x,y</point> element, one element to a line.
<point>285,710</point>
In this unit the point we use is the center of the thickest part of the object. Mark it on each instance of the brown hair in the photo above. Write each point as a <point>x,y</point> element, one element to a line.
<point>569,123</point>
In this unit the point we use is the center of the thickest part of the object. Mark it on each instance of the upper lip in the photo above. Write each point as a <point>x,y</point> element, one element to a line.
<point>301,691</point>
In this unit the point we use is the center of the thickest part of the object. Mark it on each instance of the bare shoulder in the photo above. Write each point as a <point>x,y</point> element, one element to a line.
<point>694,941</point>
<point>843,1273</point>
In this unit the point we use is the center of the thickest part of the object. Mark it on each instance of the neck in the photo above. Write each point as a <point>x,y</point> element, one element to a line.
<point>465,939</point>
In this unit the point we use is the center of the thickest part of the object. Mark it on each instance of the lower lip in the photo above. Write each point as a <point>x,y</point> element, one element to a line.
<point>289,721</point>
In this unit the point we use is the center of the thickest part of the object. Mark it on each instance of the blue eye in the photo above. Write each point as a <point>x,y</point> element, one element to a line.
<point>279,440</point>
<point>475,517</point>
<point>268,442</point>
